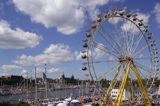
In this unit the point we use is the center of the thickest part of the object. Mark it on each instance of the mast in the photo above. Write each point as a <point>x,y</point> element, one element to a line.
<point>35,83</point>
<point>46,82</point>
<point>27,86</point>
<point>82,88</point>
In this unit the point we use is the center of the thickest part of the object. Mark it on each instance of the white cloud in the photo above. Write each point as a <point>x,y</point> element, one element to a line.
<point>26,74</point>
<point>23,72</point>
<point>40,70</point>
<point>128,26</point>
<point>96,53</point>
<point>10,68</point>
<point>16,38</point>
<point>114,20</point>
<point>78,55</point>
<point>55,53</point>
<point>52,70</point>
<point>157,12</point>
<point>90,6</point>
<point>66,15</point>
<point>145,17</point>
<point>4,74</point>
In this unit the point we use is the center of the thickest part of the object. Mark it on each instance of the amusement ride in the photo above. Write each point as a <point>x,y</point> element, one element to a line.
<point>120,48</point>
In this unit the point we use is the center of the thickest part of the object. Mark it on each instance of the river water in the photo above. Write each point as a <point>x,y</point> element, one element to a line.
<point>59,93</point>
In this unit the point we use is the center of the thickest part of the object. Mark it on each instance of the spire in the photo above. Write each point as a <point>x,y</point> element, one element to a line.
<point>63,76</point>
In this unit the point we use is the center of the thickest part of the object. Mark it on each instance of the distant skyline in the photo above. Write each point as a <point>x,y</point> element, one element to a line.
<point>38,32</point>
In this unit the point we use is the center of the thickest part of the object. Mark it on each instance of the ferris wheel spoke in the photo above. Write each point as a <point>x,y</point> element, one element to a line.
<point>116,34</point>
<point>110,37</point>
<point>127,40</point>
<point>142,58</point>
<point>113,82</point>
<point>109,72</point>
<point>102,46</point>
<point>104,49</point>
<point>108,40</point>
<point>137,42</point>
<point>143,67</point>
<point>101,61</point>
<point>124,43</point>
<point>127,43</point>
<point>133,38</point>
<point>118,39</point>
<point>143,73</point>
<point>141,50</point>
<point>94,72</point>
<point>132,41</point>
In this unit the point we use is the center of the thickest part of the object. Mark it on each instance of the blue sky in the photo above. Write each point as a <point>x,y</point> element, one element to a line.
<point>35,32</point>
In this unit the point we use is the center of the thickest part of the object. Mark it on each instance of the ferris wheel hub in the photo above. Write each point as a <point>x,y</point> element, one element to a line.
<point>125,58</point>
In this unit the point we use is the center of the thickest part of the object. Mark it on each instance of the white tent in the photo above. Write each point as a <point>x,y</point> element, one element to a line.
<point>68,99</point>
<point>87,105</point>
<point>66,102</point>
<point>50,104</point>
<point>75,101</point>
<point>61,104</point>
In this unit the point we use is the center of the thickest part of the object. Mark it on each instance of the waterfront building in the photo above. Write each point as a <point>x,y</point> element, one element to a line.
<point>114,94</point>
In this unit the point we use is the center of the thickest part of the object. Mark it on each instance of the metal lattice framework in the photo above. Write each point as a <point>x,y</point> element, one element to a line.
<point>120,48</point>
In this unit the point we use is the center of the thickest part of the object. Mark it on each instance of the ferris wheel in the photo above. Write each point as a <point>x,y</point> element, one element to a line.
<point>119,48</point>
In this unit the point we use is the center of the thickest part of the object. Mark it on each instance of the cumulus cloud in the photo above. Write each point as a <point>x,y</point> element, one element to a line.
<point>4,74</point>
<point>114,20</point>
<point>96,53</point>
<point>10,68</point>
<point>50,70</point>
<point>128,26</point>
<point>16,38</point>
<point>23,72</point>
<point>66,15</point>
<point>78,55</point>
<point>90,6</point>
<point>55,53</point>
<point>26,74</point>
<point>157,12</point>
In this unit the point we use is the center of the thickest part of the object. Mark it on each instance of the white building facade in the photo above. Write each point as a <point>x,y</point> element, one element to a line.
<point>114,94</point>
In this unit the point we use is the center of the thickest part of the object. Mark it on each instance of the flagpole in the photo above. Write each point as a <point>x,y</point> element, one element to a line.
<point>35,84</point>
<point>27,86</point>
<point>46,82</point>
